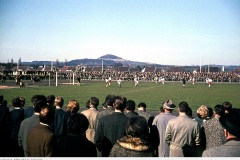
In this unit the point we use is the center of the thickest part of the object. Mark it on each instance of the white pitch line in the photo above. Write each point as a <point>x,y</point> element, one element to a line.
<point>138,90</point>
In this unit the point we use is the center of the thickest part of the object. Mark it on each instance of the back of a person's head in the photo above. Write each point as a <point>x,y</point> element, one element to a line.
<point>94,101</point>
<point>231,122</point>
<point>16,102</point>
<point>189,112</point>
<point>47,114</point>
<point>1,99</point>
<point>22,101</point>
<point>161,109</point>
<point>219,110</point>
<point>73,106</point>
<point>202,112</point>
<point>130,105</point>
<point>88,104</point>
<point>110,100</point>
<point>50,99</point>
<point>210,112</point>
<point>137,127</point>
<point>183,107</point>
<point>142,104</point>
<point>5,102</point>
<point>59,101</point>
<point>77,124</point>
<point>38,104</point>
<point>227,106</point>
<point>36,98</point>
<point>119,103</point>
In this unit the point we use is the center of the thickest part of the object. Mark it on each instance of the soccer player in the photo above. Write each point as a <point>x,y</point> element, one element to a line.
<point>107,81</point>
<point>209,82</point>
<point>136,79</point>
<point>119,82</point>
<point>162,80</point>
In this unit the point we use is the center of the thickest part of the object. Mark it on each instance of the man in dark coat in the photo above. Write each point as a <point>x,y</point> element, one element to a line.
<point>75,143</point>
<point>28,123</point>
<point>4,128</point>
<point>130,109</point>
<point>41,141</point>
<point>111,127</point>
<point>60,119</point>
<point>231,125</point>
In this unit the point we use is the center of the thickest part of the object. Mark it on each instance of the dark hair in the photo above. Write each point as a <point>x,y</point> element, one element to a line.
<point>59,101</point>
<point>227,106</point>
<point>183,107</point>
<point>161,109</point>
<point>77,123</point>
<point>130,105</point>
<point>94,101</point>
<point>218,109</point>
<point>210,112</point>
<point>110,100</point>
<point>142,104</point>
<point>1,98</point>
<point>4,102</point>
<point>88,104</point>
<point>38,105</point>
<point>119,103</point>
<point>47,114</point>
<point>16,102</point>
<point>36,98</point>
<point>50,99</point>
<point>189,112</point>
<point>22,101</point>
<point>137,127</point>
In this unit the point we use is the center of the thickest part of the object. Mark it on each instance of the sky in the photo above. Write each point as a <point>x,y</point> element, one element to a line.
<point>168,32</point>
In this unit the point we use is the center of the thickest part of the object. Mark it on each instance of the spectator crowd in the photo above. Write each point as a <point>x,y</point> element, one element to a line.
<point>120,128</point>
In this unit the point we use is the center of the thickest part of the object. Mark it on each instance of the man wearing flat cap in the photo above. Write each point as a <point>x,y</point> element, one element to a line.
<point>231,125</point>
<point>161,121</point>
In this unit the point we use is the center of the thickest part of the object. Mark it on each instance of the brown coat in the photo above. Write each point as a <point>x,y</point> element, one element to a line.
<point>91,115</point>
<point>41,142</point>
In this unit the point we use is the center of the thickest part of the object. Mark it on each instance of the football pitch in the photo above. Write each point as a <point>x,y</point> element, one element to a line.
<point>149,92</point>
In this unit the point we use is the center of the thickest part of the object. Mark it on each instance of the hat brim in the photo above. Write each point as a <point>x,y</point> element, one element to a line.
<point>171,107</point>
<point>231,128</point>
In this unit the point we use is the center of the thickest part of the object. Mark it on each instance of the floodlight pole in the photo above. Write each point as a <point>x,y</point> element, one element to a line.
<point>49,78</point>
<point>73,78</point>
<point>56,78</point>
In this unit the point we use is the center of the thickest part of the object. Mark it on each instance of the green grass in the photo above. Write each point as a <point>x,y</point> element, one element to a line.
<point>151,93</point>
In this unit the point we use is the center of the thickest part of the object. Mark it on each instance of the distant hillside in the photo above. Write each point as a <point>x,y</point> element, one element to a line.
<point>112,60</point>
<point>107,60</point>
<point>109,56</point>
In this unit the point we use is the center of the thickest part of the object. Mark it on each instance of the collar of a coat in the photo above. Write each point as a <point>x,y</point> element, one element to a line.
<point>133,143</point>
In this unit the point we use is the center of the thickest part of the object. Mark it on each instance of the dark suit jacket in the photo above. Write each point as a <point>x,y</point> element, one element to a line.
<point>16,117</point>
<point>110,128</point>
<point>72,145</point>
<point>28,112</point>
<point>41,142</point>
<point>60,122</point>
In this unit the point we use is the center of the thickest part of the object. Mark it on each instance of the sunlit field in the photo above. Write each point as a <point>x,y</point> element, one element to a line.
<point>149,92</point>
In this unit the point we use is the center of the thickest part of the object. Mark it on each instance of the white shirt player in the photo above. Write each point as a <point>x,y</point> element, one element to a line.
<point>106,82</point>
<point>119,82</point>
<point>162,80</point>
<point>209,82</point>
<point>136,81</point>
<point>109,80</point>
